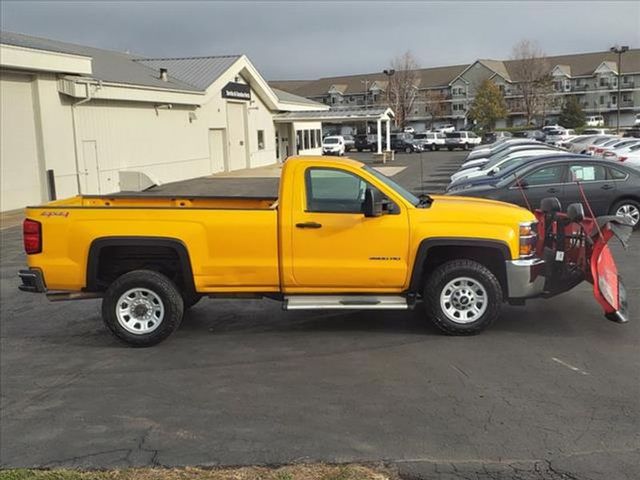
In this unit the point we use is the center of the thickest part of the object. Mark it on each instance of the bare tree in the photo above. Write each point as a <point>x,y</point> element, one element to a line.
<point>436,104</point>
<point>532,78</point>
<point>403,86</point>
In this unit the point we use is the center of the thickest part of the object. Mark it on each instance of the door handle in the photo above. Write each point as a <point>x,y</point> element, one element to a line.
<point>552,190</point>
<point>606,186</point>
<point>309,225</point>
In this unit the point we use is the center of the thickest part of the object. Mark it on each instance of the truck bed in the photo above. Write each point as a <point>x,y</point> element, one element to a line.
<point>154,201</point>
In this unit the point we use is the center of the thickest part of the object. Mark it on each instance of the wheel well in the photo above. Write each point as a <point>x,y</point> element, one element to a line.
<point>623,197</point>
<point>491,257</point>
<point>111,258</point>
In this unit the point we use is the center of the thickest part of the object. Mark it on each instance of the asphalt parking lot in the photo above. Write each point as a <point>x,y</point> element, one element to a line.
<point>552,390</point>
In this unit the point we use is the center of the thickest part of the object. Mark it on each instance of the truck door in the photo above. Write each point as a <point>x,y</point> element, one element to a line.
<point>335,246</point>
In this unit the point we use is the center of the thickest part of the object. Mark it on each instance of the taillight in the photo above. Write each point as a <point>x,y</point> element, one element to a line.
<point>622,159</point>
<point>32,236</point>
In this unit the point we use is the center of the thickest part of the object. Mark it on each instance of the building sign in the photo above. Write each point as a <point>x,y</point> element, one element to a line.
<point>237,91</point>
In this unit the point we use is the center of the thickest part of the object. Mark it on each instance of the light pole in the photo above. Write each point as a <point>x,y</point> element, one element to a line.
<point>619,50</point>
<point>389,72</point>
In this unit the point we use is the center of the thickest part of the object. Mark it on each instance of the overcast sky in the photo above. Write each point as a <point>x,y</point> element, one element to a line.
<point>305,39</point>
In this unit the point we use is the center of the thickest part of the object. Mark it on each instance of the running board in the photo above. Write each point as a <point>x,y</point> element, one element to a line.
<point>345,302</point>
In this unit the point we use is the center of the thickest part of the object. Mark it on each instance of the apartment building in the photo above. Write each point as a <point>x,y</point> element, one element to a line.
<point>444,94</point>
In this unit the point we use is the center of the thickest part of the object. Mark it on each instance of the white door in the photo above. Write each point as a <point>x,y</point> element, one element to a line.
<point>89,176</point>
<point>217,150</point>
<point>237,136</point>
<point>20,175</point>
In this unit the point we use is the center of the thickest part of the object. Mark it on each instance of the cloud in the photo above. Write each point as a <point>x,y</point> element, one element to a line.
<point>313,39</point>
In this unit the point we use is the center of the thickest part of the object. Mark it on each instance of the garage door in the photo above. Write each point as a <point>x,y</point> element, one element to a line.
<point>20,172</point>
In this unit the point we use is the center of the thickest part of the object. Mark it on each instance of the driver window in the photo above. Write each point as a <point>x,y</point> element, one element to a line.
<point>334,191</point>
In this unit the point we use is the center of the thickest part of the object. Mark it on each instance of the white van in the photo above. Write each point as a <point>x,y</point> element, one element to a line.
<point>333,145</point>
<point>595,121</point>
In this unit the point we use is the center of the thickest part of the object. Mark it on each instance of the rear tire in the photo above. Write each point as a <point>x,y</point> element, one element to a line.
<point>628,207</point>
<point>462,297</point>
<point>433,147</point>
<point>407,150</point>
<point>142,308</point>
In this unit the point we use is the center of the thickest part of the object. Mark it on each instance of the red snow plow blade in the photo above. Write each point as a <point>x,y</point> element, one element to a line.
<point>575,249</point>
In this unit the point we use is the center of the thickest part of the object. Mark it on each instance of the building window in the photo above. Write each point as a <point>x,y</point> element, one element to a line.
<point>604,82</point>
<point>260,139</point>
<point>298,141</point>
<point>318,137</point>
<point>601,100</point>
<point>307,143</point>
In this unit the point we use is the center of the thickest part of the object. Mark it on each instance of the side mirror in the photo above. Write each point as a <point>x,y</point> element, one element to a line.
<point>372,205</point>
<point>575,212</point>
<point>550,205</point>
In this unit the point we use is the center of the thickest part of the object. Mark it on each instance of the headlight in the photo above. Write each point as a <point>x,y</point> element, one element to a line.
<point>528,233</point>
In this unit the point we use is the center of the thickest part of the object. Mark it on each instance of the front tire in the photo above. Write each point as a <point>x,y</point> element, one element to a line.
<point>142,308</point>
<point>462,297</point>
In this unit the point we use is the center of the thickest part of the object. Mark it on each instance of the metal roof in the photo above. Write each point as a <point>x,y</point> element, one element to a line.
<point>337,114</point>
<point>197,71</point>
<point>107,65</point>
<point>291,98</point>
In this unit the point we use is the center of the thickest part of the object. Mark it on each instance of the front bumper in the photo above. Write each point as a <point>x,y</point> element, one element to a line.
<point>32,281</point>
<point>525,277</point>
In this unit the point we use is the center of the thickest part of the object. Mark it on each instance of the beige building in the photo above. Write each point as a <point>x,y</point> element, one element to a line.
<point>445,94</point>
<point>76,119</point>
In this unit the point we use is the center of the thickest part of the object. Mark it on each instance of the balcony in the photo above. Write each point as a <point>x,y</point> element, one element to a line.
<point>580,88</point>
<point>628,85</point>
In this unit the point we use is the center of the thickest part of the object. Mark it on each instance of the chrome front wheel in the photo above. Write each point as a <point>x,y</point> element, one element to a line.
<point>463,300</point>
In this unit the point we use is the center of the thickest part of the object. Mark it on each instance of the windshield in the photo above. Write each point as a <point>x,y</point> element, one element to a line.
<point>330,140</point>
<point>404,193</point>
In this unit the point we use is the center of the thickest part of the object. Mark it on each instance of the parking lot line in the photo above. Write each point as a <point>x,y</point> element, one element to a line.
<point>569,366</point>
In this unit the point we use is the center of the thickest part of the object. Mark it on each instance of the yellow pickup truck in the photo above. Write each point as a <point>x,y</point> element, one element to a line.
<point>341,235</point>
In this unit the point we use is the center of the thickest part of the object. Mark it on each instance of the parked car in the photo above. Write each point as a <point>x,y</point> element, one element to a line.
<point>503,152</point>
<point>495,165</point>
<point>581,144</point>
<point>494,177</point>
<point>349,143</point>
<point>636,121</point>
<point>403,142</point>
<point>333,145</point>
<point>366,142</point>
<point>595,131</point>
<point>616,142</point>
<point>331,217</point>
<point>595,144</point>
<point>611,188</point>
<point>620,148</point>
<point>631,159</point>
<point>492,137</point>
<point>462,140</point>
<point>595,121</point>
<point>409,130</point>
<point>448,128</point>
<point>429,140</point>
<point>558,136</point>
<point>632,132</point>
<point>546,128</point>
